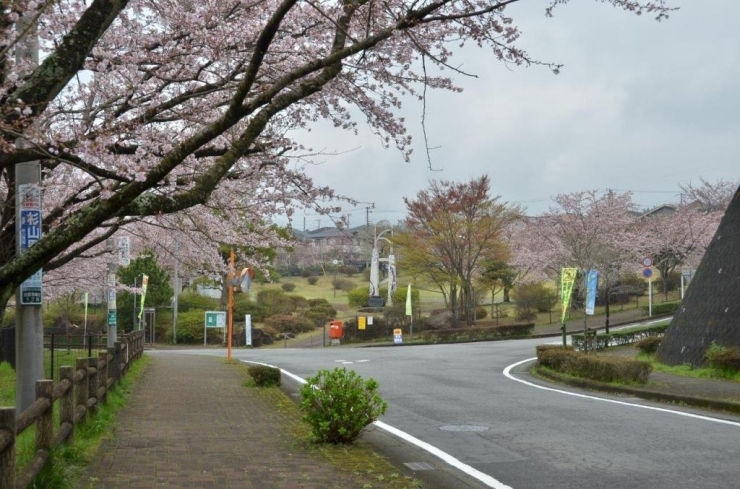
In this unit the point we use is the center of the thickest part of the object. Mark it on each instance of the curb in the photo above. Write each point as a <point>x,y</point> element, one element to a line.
<point>701,402</point>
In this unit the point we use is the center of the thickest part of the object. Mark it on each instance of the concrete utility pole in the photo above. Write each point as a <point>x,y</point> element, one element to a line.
<point>177,292</point>
<point>29,329</point>
<point>111,283</point>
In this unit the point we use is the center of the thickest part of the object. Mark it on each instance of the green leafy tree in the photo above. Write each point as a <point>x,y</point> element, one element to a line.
<point>158,294</point>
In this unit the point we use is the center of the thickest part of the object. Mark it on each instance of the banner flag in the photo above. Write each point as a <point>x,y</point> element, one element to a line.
<point>567,279</point>
<point>408,301</point>
<point>144,283</point>
<point>592,282</point>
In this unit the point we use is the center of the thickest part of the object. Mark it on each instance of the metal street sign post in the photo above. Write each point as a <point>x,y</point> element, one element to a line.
<point>647,272</point>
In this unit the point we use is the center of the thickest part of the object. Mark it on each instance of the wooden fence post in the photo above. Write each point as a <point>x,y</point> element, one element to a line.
<point>82,389</point>
<point>7,455</point>
<point>92,387</point>
<point>103,375</point>
<point>67,403</point>
<point>117,360</point>
<point>45,422</point>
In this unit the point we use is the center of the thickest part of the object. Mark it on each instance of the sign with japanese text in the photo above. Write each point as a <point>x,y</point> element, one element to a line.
<point>29,232</point>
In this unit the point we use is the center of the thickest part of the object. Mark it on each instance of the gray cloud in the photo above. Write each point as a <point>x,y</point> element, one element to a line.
<point>640,106</point>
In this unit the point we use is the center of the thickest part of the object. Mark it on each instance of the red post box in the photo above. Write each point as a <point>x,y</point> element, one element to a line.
<point>336,330</point>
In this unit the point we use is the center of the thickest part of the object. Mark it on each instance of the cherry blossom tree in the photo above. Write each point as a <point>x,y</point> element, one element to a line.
<point>707,195</point>
<point>141,109</point>
<point>586,230</point>
<point>678,239</point>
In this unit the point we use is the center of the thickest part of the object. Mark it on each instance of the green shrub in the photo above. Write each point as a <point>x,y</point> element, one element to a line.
<point>532,298</point>
<point>285,323</point>
<point>300,303</point>
<point>265,376</point>
<point>244,306</point>
<point>339,404</point>
<point>648,345</point>
<point>188,301</point>
<point>275,301</point>
<point>312,303</point>
<point>343,284</point>
<point>601,368</point>
<point>357,297</point>
<point>543,348</point>
<point>190,327</point>
<point>663,308</point>
<point>722,358</point>
<point>288,286</point>
<point>453,335</point>
<point>622,337</point>
<point>313,280</point>
<point>399,295</point>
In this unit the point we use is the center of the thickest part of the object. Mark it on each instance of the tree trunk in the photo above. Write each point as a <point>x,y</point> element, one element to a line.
<point>710,309</point>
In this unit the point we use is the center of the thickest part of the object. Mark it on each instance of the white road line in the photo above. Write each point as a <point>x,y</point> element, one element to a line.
<point>507,373</point>
<point>444,456</point>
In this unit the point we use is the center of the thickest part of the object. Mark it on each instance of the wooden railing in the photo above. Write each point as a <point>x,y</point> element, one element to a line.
<point>80,392</point>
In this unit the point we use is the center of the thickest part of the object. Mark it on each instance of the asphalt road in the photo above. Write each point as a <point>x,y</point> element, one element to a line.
<point>458,399</point>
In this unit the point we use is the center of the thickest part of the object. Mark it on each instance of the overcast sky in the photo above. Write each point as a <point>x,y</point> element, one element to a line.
<point>640,106</point>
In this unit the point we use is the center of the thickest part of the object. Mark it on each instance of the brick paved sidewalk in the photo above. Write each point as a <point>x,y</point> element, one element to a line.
<point>190,423</point>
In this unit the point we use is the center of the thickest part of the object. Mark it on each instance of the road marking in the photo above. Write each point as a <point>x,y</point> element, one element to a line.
<point>446,457</point>
<point>507,373</point>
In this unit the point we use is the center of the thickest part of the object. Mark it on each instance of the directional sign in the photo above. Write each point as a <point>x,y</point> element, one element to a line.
<point>647,273</point>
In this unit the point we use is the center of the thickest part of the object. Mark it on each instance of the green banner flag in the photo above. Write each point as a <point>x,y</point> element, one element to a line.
<point>567,279</point>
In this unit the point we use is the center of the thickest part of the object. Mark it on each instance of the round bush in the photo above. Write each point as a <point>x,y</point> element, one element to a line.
<point>338,404</point>
<point>288,286</point>
<point>648,345</point>
<point>265,376</point>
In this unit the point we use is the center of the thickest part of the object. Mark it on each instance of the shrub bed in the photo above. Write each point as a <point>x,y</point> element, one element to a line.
<point>662,308</point>
<point>601,368</point>
<point>620,338</point>
<point>723,358</point>
<point>477,333</point>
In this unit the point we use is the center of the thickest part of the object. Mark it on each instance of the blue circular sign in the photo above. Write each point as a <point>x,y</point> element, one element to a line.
<point>647,273</point>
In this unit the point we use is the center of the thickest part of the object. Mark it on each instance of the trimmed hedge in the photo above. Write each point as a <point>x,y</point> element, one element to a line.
<point>477,333</point>
<point>662,308</point>
<point>540,349</point>
<point>601,368</point>
<point>620,338</point>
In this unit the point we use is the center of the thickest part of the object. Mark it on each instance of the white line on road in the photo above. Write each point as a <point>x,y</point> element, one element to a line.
<point>444,456</point>
<point>507,373</point>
